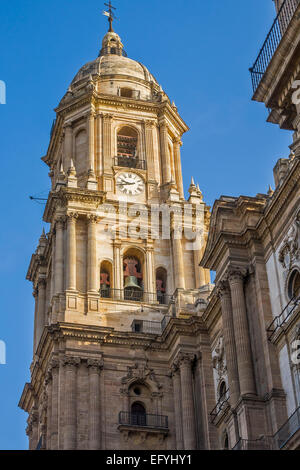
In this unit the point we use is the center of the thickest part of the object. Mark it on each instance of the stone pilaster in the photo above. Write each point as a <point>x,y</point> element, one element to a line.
<point>59,256</point>
<point>149,126</point>
<point>48,384</point>
<point>71,251</point>
<point>95,366</point>
<point>178,262</point>
<point>151,288</point>
<point>107,143</point>
<point>178,169</point>
<point>165,156</point>
<point>41,310</point>
<point>68,146</point>
<point>117,266</point>
<point>70,364</point>
<point>229,340</point>
<point>92,274</point>
<point>177,406</point>
<point>188,408</point>
<point>54,405</point>
<point>241,331</point>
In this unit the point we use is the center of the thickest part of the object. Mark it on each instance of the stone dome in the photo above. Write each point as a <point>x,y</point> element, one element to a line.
<point>109,65</point>
<point>113,61</point>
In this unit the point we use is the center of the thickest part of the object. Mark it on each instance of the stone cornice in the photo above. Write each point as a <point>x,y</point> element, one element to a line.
<point>65,196</point>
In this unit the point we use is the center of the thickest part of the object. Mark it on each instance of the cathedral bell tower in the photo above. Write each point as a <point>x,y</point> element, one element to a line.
<point>122,253</point>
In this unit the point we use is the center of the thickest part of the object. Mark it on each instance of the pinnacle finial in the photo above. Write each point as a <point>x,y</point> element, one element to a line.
<point>270,191</point>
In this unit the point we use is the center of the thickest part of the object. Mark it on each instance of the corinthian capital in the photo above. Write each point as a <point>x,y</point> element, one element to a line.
<point>70,361</point>
<point>95,365</point>
<point>223,288</point>
<point>72,216</point>
<point>236,273</point>
<point>185,358</point>
<point>93,218</point>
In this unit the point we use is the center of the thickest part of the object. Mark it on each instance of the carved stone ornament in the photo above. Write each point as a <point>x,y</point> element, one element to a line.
<point>141,374</point>
<point>289,253</point>
<point>219,360</point>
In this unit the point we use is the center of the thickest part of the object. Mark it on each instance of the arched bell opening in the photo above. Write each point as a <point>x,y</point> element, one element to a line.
<point>161,285</point>
<point>133,276</point>
<point>127,146</point>
<point>106,279</point>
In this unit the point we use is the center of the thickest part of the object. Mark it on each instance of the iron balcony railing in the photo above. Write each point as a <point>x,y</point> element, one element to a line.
<point>288,430</point>
<point>220,407</point>
<point>284,316</point>
<point>130,162</point>
<point>143,420</point>
<point>135,295</point>
<point>279,27</point>
<point>264,443</point>
<point>150,327</point>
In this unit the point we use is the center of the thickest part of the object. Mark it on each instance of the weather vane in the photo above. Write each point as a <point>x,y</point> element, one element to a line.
<point>110,14</point>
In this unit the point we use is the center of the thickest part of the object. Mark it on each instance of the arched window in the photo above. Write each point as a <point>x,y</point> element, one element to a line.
<point>106,279</point>
<point>138,414</point>
<point>161,285</point>
<point>127,141</point>
<point>222,391</point>
<point>226,442</point>
<point>294,284</point>
<point>133,276</point>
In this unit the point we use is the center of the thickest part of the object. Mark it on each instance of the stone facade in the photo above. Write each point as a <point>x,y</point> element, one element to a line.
<point>133,347</point>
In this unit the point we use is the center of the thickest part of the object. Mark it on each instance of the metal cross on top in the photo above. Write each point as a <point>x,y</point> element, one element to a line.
<point>110,14</point>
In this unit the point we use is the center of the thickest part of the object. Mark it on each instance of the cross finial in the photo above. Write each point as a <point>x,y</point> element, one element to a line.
<point>110,14</point>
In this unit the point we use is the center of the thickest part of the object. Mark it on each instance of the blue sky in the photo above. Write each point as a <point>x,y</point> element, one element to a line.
<point>200,52</point>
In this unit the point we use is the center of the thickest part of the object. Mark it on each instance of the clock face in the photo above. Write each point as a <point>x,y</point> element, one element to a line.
<point>130,184</point>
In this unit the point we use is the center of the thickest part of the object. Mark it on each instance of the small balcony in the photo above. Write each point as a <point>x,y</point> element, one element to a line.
<point>272,41</point>
<point>288,430</point>
<point>150,327</point>
<point>141,420</point>
<point>221,407</point>
<point>135,295</point>
<point>288,313</point>
<point>125,161</point>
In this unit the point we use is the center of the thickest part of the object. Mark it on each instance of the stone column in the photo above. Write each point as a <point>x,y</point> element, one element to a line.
<point>92,254</point>
<point>59,256</point>
<point>71,251</point>
<point>188,408</point>
<point>54,404</point>
<point>149,126</point>
<point>177,406</point>
<point>178,169</point>
<point>41,310</point>
<point>70,365</point>
<point>229,341</point>
<point>178,262</point>
<point>107,147</point>
<point>68,146</point>
<point>241,331</point>
<point>95,367</point>
<point>165,157</point>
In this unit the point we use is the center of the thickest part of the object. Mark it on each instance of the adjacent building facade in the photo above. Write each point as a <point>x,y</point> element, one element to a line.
<point>134,348</point>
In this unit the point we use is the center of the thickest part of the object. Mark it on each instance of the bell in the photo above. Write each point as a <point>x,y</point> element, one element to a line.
<point>131,281</point>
